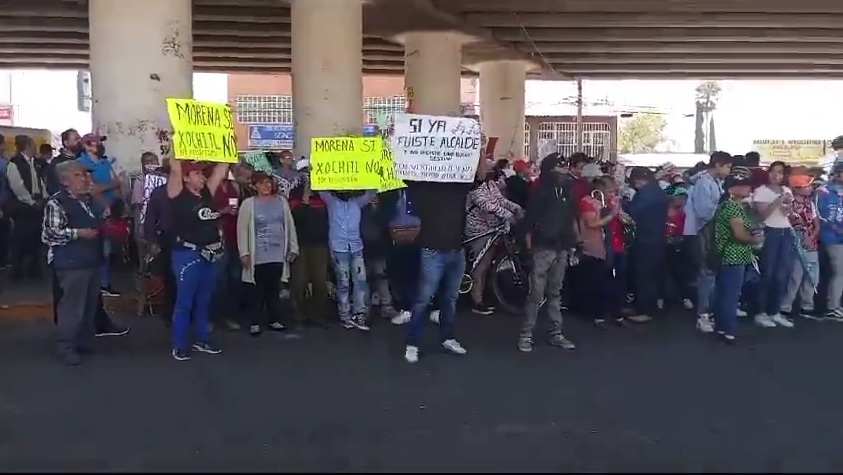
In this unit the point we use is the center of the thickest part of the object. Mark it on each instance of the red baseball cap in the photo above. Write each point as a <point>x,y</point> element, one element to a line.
<point>188,166</point>
<point>92,137</point>
<point>521,166</point>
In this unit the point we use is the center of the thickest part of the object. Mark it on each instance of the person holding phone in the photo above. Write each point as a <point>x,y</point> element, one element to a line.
<point>774,204</point>
<point>71,231</point>
<point>228,295</point>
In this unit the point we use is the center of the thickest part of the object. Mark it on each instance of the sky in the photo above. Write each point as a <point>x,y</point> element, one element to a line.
<point>747,110</point>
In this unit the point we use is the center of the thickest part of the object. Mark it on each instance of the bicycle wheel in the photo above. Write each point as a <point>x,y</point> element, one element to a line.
<point>510,285</point>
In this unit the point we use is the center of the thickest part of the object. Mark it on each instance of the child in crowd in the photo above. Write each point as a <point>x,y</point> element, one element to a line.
<point>676,270</point>
<point>346,245</point>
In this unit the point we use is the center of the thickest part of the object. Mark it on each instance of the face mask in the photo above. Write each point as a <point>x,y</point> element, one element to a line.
<point>100,150</point>
<point>150,168</point>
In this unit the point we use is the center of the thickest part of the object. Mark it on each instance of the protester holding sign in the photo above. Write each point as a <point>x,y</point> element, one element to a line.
<point>310,269</point>
<point>346,244</point>
<point>197,245</point>
<point>202,131</point>
<point>150,179</point>
<point>440,208</point>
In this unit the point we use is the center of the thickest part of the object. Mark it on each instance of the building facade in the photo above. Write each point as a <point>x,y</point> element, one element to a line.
<point>263,104</point>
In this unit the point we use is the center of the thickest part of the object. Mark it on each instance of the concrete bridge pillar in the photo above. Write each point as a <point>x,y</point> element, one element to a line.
<point>502,107</point>
<point>327,71</point>
<point>141,53</point>
<point>432,71</point>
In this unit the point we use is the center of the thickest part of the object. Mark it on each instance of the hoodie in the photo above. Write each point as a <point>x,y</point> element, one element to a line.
<point>830,208</point>
<point>648,209</point>
<point>486,208</point>
<point>703,198</point>
<point>550,216</point>
<point>51,178</point>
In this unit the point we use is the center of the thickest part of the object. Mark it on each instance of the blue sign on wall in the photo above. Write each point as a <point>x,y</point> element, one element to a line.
<point>271,136</point>
<point>282,136</point>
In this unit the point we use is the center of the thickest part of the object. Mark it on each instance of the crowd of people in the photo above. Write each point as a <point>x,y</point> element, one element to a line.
<point>230,247</point>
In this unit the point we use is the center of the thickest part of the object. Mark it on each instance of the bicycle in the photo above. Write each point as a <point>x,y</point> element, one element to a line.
<point>508,272</point>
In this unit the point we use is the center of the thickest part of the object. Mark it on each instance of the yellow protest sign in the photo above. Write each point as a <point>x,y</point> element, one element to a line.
<point>389,181</point>
<point>202,131</point>
<point>793,152</point>
<point>346,163</point>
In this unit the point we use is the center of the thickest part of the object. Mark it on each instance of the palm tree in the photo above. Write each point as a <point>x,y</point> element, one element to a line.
<point>707,94</point>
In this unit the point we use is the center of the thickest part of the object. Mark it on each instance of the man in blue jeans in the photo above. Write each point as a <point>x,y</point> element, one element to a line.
<point>441,209</point>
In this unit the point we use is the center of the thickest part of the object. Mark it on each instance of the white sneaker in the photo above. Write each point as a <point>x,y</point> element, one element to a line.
<point>434,316</point>
<point>781,320</point>
<point>704,323</point>
<point>402,318</point>
<point>688,304</point>
<point>660,304</point>
<point>411,354</point>
<point>454,347</point>
<point>740,313</point>
<point>764,320</point>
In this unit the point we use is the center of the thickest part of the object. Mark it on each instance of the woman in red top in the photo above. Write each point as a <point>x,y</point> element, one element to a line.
<point>676,270</point>
<point>603,262</point>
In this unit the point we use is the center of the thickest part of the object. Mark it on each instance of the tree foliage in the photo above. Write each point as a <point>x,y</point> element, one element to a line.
<point>642,133</point>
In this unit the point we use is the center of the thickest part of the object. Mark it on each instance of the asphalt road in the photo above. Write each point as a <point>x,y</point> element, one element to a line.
<point>661,398</point>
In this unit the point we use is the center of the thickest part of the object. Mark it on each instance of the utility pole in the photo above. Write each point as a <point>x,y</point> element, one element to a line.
<point>579,128</point>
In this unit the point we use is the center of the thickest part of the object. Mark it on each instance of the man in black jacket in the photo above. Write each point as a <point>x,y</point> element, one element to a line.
<point>550,225</point>
<point>69,151</point>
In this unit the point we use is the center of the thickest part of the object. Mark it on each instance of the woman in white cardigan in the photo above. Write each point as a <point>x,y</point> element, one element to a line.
<point>266,239</point>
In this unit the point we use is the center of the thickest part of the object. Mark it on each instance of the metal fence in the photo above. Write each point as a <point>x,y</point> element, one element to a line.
<point>596,137</point>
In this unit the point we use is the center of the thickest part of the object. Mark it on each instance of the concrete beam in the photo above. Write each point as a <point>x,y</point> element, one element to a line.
<point>67,40</point>
<point>642,6</point>
<point>696,47</point>
<point>276,14</point>
<point>720,60</point>
<point>201,68</point>
<point>655,20</point>
<point>651,69</point>
<point>203,59</point>
<point>199,50</point>
<point>671,34</point>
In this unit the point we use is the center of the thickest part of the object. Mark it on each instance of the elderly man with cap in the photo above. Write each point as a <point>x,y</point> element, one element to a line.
<point>71,230</point>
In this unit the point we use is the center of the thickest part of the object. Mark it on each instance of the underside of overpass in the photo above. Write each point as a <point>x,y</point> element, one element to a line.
<point>564,38</point>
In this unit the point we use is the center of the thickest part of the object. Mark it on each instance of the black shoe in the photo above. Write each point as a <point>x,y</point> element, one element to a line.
<point>206,347</point>
<point>70,357</point>
<point>113,330</point>
<point>482,309</point>
<point>181,355</point>
<point>108,291</point>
